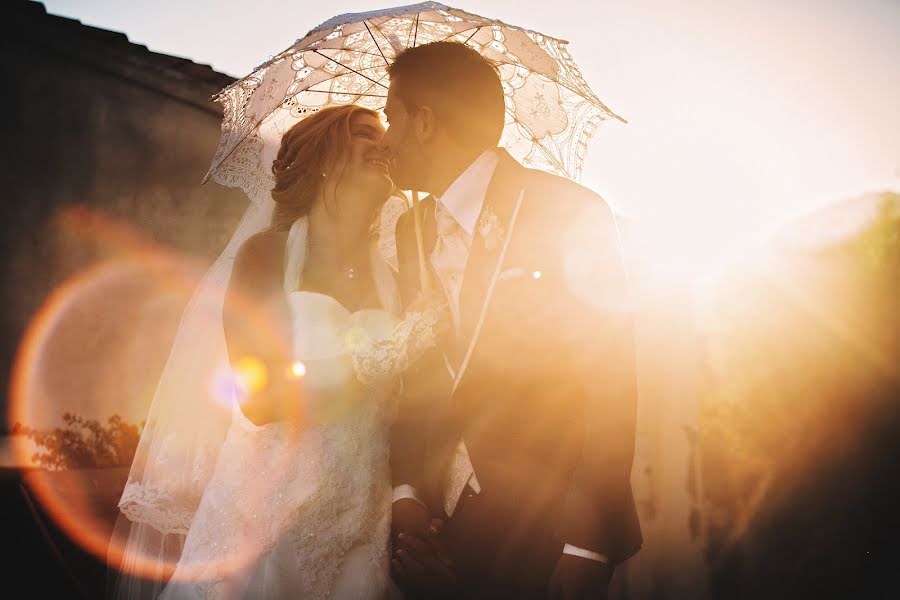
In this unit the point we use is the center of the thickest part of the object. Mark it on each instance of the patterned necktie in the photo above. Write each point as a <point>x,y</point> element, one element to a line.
<point>449,258</point>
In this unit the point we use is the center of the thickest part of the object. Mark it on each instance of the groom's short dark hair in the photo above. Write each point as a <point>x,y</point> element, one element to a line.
<point>460,85</point>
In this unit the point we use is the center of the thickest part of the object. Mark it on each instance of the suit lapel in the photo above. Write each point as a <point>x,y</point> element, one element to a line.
<point>490,230</point>
<point>493,229</point>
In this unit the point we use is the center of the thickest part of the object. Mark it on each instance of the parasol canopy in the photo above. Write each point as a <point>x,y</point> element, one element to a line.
<point>551,112</point>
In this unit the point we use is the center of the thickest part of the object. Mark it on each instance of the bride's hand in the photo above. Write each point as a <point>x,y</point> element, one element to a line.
<point>427,301</point>
<point>420,563</point>
<point>422,567</point>
<point>435,304</point>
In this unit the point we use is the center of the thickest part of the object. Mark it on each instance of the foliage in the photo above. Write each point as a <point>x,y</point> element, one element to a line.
<point>800,367</point>
<point>84,443</point>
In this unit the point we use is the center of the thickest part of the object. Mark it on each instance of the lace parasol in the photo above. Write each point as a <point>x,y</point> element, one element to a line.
<point>551,112</point>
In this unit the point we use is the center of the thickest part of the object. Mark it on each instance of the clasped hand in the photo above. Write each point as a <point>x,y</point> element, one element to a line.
<point>421,567</point>
<point>419,562</point>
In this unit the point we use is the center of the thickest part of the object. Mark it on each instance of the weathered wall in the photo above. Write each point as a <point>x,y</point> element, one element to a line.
<point>94,126</point>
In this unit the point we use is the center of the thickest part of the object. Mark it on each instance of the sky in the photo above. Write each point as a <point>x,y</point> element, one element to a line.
<point>741,113</point>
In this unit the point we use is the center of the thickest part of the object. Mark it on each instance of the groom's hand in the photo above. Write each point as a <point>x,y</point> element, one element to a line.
<point>577,578</point>
<point>410,517</point>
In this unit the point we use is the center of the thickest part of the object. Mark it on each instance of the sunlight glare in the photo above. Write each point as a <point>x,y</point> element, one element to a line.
<point>298,369</point>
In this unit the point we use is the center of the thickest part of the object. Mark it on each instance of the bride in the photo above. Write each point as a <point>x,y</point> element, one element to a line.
<point>296,501</point>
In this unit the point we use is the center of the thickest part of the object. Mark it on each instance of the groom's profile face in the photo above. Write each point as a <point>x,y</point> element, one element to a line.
<point>401,143</point>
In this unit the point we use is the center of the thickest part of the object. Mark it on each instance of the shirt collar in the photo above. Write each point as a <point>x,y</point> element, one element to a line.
<point>465,196</point>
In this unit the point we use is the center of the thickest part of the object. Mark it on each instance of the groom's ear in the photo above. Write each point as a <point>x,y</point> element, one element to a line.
<point>424,124</point>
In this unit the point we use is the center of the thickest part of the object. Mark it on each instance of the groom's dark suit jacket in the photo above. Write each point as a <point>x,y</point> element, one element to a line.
<point>546,404</point>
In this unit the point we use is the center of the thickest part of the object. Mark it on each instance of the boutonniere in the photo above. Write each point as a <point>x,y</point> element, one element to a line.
<point>490,228</point>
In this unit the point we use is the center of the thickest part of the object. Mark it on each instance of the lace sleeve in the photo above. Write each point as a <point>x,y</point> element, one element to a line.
<point>387,223</point>
<point>377,358</point>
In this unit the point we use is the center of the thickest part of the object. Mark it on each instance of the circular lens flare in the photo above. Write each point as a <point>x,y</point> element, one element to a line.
<point>92,352</point>
<point>298,369</point>
<point>252,374</point>
<point>95,350</point>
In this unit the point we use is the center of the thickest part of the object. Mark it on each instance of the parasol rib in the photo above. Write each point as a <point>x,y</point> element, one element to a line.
<point>340,64</point>
<point>412,28</point>
<point>477,29</point>
<point>534,140</point>
<point>333,77</point>
<point>386,38</point>
<point>348,50</point>
<point>593,99</point>
<point>357,94</point>
<point>377,45</point>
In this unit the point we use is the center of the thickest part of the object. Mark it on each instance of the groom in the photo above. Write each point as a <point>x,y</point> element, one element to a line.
<point>512,449</point>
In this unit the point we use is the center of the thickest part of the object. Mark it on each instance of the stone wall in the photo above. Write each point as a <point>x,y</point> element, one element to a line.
<point>103,150</point>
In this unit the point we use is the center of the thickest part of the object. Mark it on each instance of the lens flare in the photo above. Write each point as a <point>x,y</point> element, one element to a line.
<point>227,386</point>
<point>93,350</point>
<point>298,369</point>
<point>96,348</point>
<point>252,373</point>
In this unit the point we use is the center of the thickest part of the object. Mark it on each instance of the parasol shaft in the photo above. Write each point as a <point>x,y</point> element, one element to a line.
<point>424,279</point>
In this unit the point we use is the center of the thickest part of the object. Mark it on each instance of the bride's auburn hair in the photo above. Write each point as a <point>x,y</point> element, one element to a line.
<point>310,152</point>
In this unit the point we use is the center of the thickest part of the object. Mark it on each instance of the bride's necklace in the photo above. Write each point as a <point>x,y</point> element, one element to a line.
<point>350,270</point>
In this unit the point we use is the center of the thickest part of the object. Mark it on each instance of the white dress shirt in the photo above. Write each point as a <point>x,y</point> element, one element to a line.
<point>457,214</point>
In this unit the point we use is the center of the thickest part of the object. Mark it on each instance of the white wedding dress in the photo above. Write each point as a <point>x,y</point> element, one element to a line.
<point>305,512</point>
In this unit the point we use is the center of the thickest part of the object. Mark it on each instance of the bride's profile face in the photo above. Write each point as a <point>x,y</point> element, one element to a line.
<point>366,172</point>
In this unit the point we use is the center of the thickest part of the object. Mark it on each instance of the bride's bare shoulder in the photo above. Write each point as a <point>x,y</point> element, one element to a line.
<point>264,243</point>
<point>259,262</point>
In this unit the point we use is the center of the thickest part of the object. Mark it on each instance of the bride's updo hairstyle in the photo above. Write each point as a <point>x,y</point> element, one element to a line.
<point>310,153</point>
